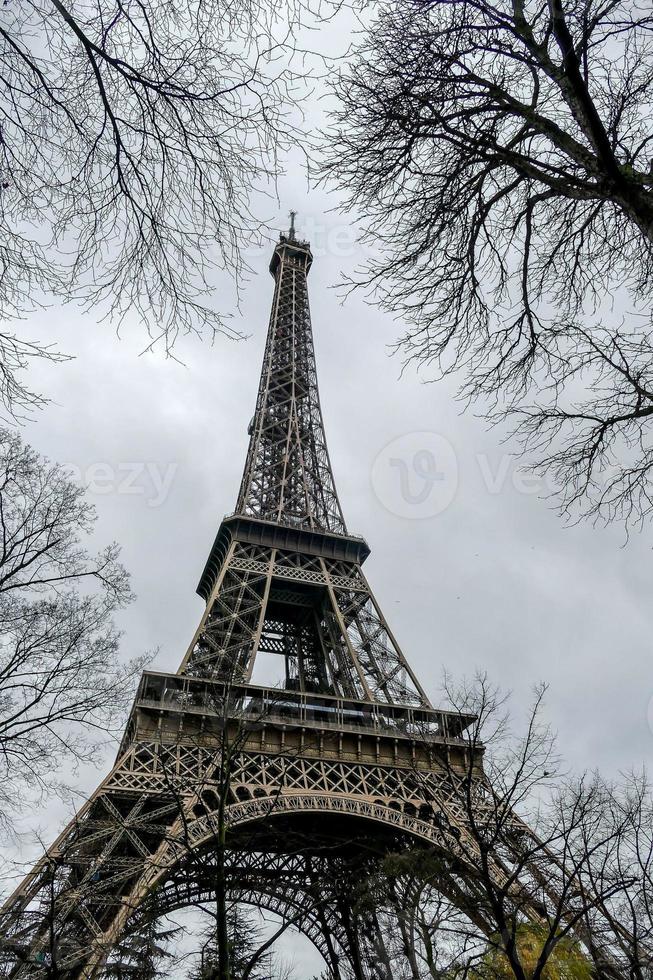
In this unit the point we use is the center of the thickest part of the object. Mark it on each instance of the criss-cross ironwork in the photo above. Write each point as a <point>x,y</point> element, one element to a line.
<point>288,476</point>
<point>284,577</point>
<point>345,742</point>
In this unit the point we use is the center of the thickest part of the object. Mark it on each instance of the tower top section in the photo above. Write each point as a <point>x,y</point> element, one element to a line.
<point>292,248</point>
<point>288,478</point>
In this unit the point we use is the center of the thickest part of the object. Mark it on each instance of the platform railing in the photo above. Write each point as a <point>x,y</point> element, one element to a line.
<point>257,704</point>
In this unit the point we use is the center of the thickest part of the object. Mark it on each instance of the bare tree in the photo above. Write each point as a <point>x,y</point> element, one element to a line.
<point>421,933</point>
<point>554,873</point>
<point>501,152</point>
<point>131,140</point>
<point>62,684</point>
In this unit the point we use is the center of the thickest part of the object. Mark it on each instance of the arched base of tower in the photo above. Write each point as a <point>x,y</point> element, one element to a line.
<point>293,829</point>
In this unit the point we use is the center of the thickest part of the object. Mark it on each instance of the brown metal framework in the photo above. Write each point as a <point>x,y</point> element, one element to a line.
<point>348,743</point>
<point>288,476</point>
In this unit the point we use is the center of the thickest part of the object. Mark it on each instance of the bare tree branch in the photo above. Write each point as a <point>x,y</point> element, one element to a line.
<point>63,687</point>
<point>501,152</point>
<point>132,138</point>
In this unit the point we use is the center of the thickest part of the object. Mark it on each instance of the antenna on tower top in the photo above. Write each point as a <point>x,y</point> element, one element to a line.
<point>291,233</point>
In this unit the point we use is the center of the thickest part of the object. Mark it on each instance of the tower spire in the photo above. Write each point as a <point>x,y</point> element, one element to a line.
<point>291,233</point>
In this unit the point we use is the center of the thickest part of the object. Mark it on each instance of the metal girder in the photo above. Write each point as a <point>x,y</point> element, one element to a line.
<point>350,739</point>
<point>288,476</point>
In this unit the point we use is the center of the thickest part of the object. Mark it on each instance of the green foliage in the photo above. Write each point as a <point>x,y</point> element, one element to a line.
<point>139,955</point>
<point>244,941</point>
<point>566,960</point>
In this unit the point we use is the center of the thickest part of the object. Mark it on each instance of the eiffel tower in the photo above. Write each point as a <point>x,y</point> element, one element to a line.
<point>346,755</point>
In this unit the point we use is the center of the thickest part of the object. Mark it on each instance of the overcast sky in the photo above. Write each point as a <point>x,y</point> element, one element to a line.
<point>473,572</point>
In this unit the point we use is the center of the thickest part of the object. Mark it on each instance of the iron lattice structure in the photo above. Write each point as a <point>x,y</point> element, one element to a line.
<point>347,750</point>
